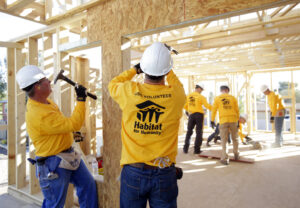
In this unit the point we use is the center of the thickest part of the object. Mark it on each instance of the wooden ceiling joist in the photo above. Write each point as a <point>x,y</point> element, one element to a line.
<point>73,11</point>
<point>18,5</point>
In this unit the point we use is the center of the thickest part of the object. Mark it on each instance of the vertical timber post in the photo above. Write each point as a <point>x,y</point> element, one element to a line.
<point>11,128</point>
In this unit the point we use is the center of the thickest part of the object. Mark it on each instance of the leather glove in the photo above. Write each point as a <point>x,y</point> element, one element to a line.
<point>213,124</point>
<point>80,92</point>
<point>187,114</point>
<point>272,119</point>
<point>138,68</point>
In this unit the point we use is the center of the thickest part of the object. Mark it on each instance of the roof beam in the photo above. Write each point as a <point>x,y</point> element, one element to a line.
<point>288,9</point>
<point>10,45</point>
<point>276,11</point>
<point>73,11</point>
<point>23,17</point>
<point>18,4</point>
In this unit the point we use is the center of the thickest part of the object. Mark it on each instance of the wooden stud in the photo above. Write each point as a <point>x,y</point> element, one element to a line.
<point>32,60</point>
<point>3,4</point>
<point>11,129</point>
<point>20,126</point>
<point>82,73</point>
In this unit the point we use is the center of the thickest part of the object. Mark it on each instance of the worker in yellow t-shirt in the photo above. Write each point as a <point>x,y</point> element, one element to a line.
<point>277,113</point>
<point>150,121</point>
<point>228,109</point>
<point>57,163</point>
<point>195,112</point>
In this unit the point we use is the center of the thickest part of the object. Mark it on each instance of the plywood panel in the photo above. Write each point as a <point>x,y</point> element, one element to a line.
<point>137,16</point>
<point>111,123</point>
<point>204,8</point>
<point>126,18</point>
<point>20,126</point>
<point>11,129</point>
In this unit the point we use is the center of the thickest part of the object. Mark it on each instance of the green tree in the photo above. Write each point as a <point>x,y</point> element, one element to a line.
<point>284,88</point>
<point>2,87</point>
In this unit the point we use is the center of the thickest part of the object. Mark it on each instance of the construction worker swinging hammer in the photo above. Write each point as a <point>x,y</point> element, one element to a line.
<point>57,163</point>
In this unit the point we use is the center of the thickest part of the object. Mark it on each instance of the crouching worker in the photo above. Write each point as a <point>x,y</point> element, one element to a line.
<point>242,120</point>
<point>57,164</point>
<point>150,122</point>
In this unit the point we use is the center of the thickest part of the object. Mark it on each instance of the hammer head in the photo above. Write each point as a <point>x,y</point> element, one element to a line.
<point>59,76</point>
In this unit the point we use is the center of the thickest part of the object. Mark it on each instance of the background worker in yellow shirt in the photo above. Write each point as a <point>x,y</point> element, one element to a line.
<point>277,113</point>
<point>195,112</point>
<point>150,123</point>
<point>228,109</point>
<point>57,164</point>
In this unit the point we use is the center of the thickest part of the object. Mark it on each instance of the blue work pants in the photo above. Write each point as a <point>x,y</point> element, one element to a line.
<point>138,186</point>
<point>278,129</point>
<point>54,182</point>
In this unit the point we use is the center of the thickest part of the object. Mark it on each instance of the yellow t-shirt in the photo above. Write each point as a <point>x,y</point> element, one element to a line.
<point>241,134</point>
<point>275,103</point>
<point>194,103</point>
<point>228,109</point>
<point>150,119</point>
<point>49,130</point>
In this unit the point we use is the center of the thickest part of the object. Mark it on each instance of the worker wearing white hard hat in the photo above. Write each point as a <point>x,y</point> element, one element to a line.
<point>228,108</point>
<point>278,111</point>
<point>195,112</point>
<point>150,119</point>
<point>57,164</point>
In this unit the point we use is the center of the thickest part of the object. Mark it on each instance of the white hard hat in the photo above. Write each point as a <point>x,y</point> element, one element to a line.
<point>264,88</point>
<point>29,75</point>
<point>201,85</point>
<point>156,60</point>
<point>244,116</point>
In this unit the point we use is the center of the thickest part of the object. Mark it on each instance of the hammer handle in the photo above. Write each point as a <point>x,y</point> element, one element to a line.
<point>73,83</point>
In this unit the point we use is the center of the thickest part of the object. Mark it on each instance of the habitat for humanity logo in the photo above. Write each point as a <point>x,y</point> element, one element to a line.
<point>226,103</point>
<point>148,118</point>
<point>192,101</point>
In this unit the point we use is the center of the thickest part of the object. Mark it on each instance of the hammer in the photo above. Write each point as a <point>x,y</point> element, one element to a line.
<point>61,76</point>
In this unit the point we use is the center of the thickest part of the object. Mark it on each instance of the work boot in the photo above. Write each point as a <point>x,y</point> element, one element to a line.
<point>185,149</point>
<point>224,162</point>
<point>208,145</point>
<point>276,145</point>
<point>237,156</point>
<point>197,152</point>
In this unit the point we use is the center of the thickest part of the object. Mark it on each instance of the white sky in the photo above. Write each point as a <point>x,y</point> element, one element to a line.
<point>13,27</point>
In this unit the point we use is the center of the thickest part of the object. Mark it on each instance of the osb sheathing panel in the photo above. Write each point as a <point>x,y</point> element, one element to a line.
<point>111,124</point>
<point>127,17</point>
<point>204,8</point>
<point>124,17</point>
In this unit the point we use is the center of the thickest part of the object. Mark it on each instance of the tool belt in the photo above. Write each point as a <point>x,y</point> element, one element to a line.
<point>41,160</point>
<point>144,166</point>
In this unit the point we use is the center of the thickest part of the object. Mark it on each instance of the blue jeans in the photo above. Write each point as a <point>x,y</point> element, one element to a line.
<point>140,185</point>
<point>278,129</point>
<point>55,187</point>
